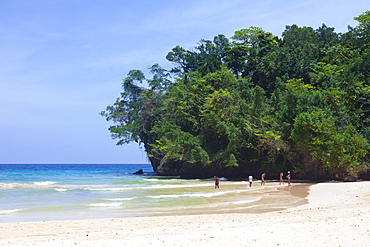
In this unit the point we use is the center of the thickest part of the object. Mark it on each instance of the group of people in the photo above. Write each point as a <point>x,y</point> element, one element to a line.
<point>288,177</point>
<point>263,181</point>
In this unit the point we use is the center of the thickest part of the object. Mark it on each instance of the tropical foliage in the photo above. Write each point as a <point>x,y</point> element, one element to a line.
<point>255,102</point>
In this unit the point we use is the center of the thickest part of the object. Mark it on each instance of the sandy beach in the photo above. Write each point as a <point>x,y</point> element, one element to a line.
<point>337,214</point>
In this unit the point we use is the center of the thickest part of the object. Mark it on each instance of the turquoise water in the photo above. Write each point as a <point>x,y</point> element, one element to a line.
<point>84,191</point>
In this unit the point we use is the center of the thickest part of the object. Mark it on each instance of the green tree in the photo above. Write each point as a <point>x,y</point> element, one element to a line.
<point>257,103</point>
<point>136,110</point>
<point>337,150</point>
<point>359,36</point>
<point>246,53</point>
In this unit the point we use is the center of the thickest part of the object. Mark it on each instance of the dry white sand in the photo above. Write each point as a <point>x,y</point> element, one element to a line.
<point>337,214</point>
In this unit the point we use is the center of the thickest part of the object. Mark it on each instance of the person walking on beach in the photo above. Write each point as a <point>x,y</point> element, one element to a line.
<point>288,177</point>
<point>281,178</point>
<point>263,178</point>
<point>217,182</point>
<point>250,180</point>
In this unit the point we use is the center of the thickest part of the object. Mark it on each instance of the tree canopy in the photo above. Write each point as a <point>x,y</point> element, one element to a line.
<point>255,103</point>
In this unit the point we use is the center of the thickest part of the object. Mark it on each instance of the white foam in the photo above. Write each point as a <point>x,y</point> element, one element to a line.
<point>108,189</point>
<point>44,183</point>
<point>9,211</point>
<point>165,196</point>
<point>121,199</point>
<point>61,190</point>
<point>191,195</point>
<point>108,205</point>
<point>212,194</point>
<point>27,185</point>
<point>151,179</point>
<point>174,186</point>
<point>247,201</point>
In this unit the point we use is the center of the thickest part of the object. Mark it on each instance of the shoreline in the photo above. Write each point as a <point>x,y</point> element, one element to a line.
<point>232,197</point>
<point>337,214</point>
<point>181,198</point>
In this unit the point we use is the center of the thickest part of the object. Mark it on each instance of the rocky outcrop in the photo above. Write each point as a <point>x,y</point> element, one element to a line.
<point>139,172</point>
<point>165,167</point>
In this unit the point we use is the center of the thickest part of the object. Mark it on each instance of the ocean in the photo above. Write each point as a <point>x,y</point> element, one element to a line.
<point>44,192</point>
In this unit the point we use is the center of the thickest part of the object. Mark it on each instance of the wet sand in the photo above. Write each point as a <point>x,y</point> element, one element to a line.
<point>333,214</point>
<point>258,199</point>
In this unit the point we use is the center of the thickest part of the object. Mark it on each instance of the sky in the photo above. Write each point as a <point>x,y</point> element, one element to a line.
<point>63,61</point>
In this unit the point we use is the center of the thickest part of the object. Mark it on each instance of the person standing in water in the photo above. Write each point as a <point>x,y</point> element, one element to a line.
<point>281,178</point>
<point>217,182</point>
<point>250,180</point>
<point>263,178</point>
<point>288,177</point>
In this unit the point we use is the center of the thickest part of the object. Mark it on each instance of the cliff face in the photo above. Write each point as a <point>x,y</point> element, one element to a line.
<point>183,169</point>
<point>186,170</point>
<point>165,167</point>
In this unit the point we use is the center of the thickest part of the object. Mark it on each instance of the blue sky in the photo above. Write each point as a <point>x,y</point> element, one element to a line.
<point>62,62</point>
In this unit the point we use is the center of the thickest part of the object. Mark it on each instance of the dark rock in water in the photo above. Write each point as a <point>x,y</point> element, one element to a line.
<point>139,172</point>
